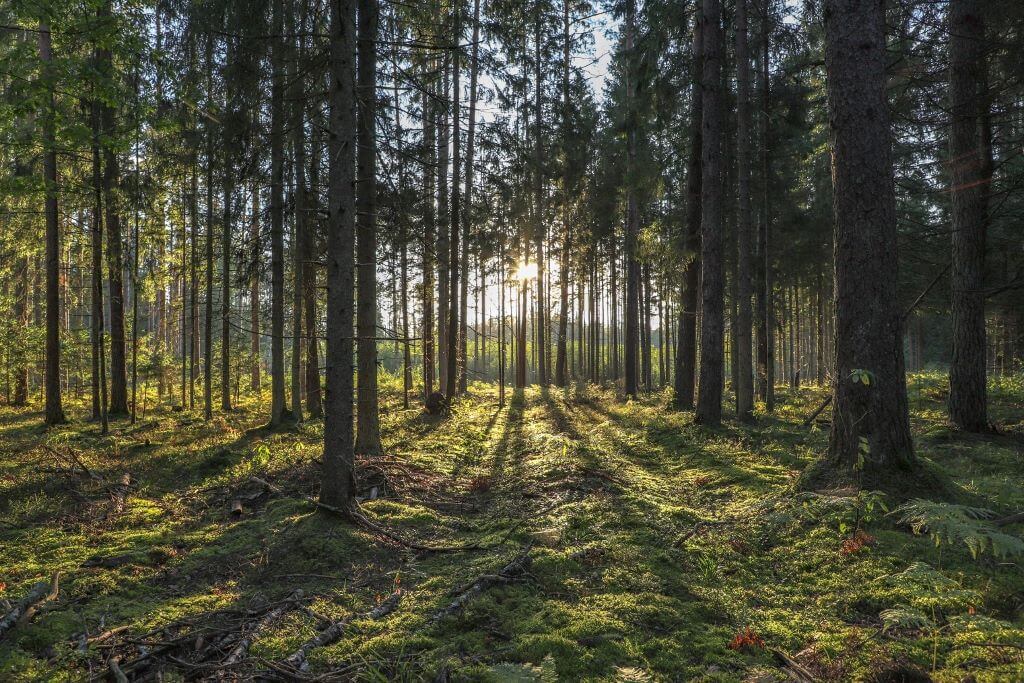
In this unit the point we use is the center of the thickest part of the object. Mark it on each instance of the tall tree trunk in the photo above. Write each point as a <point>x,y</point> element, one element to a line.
<point>54,413</point>
<point>538,190</point>
<point>428,264</point>
<point>709,395</point>
<point>115,266</point>
<point>20,275</point>
<point>301,209</point>
<point>368,417</point>
<point>765,302</point>
<point>870,427</point>
<point>686,338</point>
<point>208,321</point>
<point>632,309</point>
<point>314,405</point>
<point>451,379</point>
<point>474,68</point>
<point>970,179</point>
<point>744,323</point>
<point>443,221</point>
<point>254,293</point>
<point>225,245</point>
<point>277,398</point>
<point>338,487</point>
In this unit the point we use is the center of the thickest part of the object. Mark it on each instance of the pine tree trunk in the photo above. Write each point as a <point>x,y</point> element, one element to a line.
<point>970,179</point>
<point>277,397</point>
<point>686,337</point>
<point>870,433</point>
<point>301,214</point>
<point>368,418</point>
<point>54,413</point>
<point>254,294</point>
<point>744,322</point>
<point>314,404</point>
<point>452,340</point>
<point>208,321</point>
<point>709,395</point>
<point>429,227</point>
<point>338,487</point>
<point>467,211</point>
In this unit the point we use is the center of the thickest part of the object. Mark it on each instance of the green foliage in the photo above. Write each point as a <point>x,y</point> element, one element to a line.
<point>951,524</point>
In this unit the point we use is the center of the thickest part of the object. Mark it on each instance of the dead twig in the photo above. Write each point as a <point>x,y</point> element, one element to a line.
<point>26,608</point>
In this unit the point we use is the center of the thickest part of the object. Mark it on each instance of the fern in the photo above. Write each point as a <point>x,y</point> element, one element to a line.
<point>956,524</point>
<point>904,617</point>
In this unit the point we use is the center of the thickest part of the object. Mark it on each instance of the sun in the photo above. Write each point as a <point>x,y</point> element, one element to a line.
<point>525,271</point>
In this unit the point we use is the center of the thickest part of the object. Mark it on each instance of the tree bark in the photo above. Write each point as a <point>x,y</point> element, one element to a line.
<point>970,180</point>
<point>709,395</point>
<point>686,337</point>
<point>277,397</point>
<point>870,433</point>
<point>338,487</point>
<point>744,323</point>
<point>54,412</point>
<point>368,417</point>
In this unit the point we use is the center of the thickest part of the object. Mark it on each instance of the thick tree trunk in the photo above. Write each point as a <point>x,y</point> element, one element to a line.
<point>301,215</point>
<point>709,395</point>
<point>54,413</point>
<point>744,322</point>
<point>870,427</point>
<point>686,337</point>
<point>764,289</point>
<point>970,178</point>
<point>338,487</point>
<point>368,417</point>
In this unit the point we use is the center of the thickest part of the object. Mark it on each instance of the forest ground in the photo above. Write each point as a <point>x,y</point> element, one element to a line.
<point>659,550</point>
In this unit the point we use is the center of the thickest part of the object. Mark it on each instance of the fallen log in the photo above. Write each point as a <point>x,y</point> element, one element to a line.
<point>242,648</point>
<point>24,609</point>
<point>1009,519</point>
<point>516,569</point>
<point>333,633</point>
<point>816,413</point>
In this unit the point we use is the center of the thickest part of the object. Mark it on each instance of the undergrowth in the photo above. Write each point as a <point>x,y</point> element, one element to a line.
<point>661,550</point>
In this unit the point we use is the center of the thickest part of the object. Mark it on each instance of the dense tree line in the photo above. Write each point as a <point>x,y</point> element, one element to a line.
<point>824,193</point>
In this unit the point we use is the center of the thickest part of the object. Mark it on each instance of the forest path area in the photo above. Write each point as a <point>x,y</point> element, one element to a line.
<point>654,549</point>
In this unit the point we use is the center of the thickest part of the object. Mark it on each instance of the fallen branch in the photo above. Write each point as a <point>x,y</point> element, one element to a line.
<point>696,529</point>
<point>514,570</point>
<point>797,670</point>
<point>817,412</point>
<point>1009,519</point>
<point>333,633</point>
<point>39,595</point>
<point>240,650</point>
<point>74,458</point>
<point>116,672</point>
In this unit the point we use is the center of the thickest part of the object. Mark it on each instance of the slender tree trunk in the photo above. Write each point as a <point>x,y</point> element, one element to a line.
<point>871,427</point>
<point>709,396</point>
<point>208,321</point>
<point>54,413</point>
<point>467,229</point>
<point>225,274</point>
<point>744,323</point>
<point>686,356</point>
<point>254,294</point>
<point>277,398</point>
<point>301,213</point>
<point>970,179</point>
<point>338,487</point>
<point>765,303</point>
<point>430,164</point>
<point>451,378</point>
<point>115,266</point>
<point>309,254</point>
<point>368,417</point>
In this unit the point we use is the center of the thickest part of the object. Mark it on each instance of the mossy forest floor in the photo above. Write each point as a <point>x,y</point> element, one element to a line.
<point>660,550</point>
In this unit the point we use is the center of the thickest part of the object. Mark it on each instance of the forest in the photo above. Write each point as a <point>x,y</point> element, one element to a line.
<point>512,340</point>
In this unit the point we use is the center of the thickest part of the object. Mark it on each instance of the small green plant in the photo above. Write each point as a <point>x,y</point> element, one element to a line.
<point>951,524</point>
<point>848,513</point>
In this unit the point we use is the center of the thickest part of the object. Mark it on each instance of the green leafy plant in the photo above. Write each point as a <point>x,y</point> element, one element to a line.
<point>951,524</point>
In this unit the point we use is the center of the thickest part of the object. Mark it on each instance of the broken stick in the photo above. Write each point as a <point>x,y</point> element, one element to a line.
<point>515,569</point>
<point>39,595</point>
<point>240,650</point>
<point>333,633</point>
